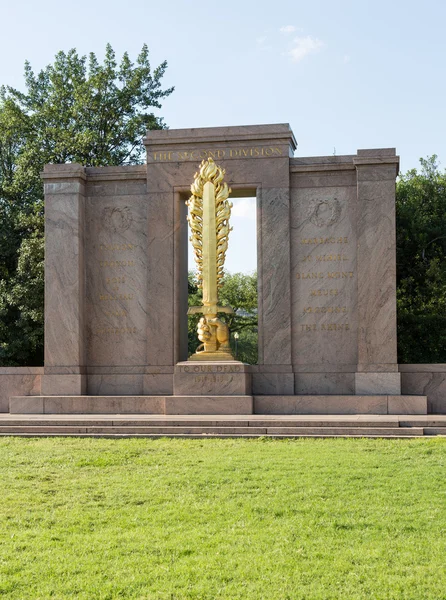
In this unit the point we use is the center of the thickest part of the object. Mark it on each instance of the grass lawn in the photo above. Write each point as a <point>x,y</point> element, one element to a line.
<point>261,518</point>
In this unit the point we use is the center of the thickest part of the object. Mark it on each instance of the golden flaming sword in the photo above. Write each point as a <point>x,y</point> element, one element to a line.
<point>209,212</point>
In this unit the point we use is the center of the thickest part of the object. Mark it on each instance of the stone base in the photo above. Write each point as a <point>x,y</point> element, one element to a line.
<point>370,384</point>
<point>71,383</point>
<point>220,405</point>
<point>208,405</point>
<point>340,405</point>
<point>152,405</point>
<point>212,379</point>
<point>212,357</point>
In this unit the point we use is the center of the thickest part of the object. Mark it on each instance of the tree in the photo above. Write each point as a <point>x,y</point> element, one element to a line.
<point>74,110</point>
<point>239,290</point>
<point>421,264</point>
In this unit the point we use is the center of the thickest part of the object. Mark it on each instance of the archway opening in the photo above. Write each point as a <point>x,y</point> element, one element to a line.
<point>239,288</point>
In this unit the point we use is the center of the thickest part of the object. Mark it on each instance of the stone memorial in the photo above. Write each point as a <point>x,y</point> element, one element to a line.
<point>116,281</point>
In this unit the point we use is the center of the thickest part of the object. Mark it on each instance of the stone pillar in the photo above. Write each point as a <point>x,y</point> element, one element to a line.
<point>377,370</point>
<point>160,275</point>
<point>64,372</point>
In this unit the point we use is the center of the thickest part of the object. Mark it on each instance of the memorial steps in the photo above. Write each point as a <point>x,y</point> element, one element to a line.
<point>221,426</point>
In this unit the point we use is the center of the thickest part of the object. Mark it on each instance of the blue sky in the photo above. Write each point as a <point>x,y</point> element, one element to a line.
<point>345,74</point>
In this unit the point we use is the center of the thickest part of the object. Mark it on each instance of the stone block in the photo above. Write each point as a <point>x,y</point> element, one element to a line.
<point>26,405</point>
<point>377,383</point>
<point>18,381</point>
<point>272,383</point>
<point>117,384</point>
<point>407,405</point>
<point>320,405</point>
<point>155,384</point>
<point>324,383</point>
<point>64,385</point>
<point>196,378</point>
<point>429,380</point>
<point>68,405</point>
<point>208,405</point>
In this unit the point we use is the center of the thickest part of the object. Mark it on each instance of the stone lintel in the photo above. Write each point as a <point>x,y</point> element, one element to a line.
<point>62,172</point>
<point>207,135</point>
<point>128,172</point>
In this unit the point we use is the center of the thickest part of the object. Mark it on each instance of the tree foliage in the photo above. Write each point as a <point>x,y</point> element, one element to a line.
<point>239,290</point>
<point>421,264</point>
<point>74,110</point>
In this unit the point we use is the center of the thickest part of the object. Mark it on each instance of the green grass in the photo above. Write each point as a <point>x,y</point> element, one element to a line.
<point>273,519</point>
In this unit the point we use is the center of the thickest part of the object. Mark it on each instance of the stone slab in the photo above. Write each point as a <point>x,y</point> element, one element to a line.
<point>272,383</point>
<point>212,379</point>
<point>323,405</point>
<point>209,405</point>
<point>407,405</point>
<point>324,383</point>
<point>116,384</point>
<point>18,382</point>
<point>431,383</point>
<point>64,385</point>
<point>26,405</point>
<point>377,383</point>
<point>345,431</point>
<point>87,405</point>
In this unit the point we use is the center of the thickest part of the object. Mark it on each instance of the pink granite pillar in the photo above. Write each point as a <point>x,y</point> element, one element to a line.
<point>64,372</point>
<point>377,370</point>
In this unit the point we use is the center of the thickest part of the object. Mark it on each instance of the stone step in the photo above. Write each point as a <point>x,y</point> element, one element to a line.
<point>207,436</point>
<point>434,430</point>
<point>212,431</point>
<point>147,422</point>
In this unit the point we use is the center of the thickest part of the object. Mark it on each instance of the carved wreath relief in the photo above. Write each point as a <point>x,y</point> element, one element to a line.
<point>117,218</point>
<point>324,213</point>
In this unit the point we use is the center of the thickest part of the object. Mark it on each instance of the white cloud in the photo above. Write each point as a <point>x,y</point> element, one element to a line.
<point>244,208</point>
<point>261,40</point>
<point>347,58</point>
<point>287,29</point>
<point>302,46</point>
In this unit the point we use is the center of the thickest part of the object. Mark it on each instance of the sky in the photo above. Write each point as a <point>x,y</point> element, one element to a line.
<point>345,74</point>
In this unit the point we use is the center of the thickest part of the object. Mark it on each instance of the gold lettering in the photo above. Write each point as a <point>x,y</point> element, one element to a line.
<point>324,292</point>
<point>326,327</point>
<point>325,309</point>
<point>309,275</point>
<point>116,247</point>
<point>340,275</point>
<point>327,240</point>
<point>116,263</point>
<point>331,257</point>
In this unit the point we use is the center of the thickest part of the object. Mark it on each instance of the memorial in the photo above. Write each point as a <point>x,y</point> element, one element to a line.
<point>116,281</point>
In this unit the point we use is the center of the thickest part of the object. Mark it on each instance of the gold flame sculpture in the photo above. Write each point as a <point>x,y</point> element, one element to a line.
<point>209,213</point>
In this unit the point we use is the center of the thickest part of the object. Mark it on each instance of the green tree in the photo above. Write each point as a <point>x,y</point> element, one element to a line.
<point>74,110</point>
<point>421,264</point>
<point>239,290</point>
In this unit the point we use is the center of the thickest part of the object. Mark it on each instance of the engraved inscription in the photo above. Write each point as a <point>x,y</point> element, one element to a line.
<point>210,369</point>
<point>212,379</point>
<point>325,309</point>
<point>329,275</point>
<point>217,154</point>
<point>325,240</point>
<point>325,327</point>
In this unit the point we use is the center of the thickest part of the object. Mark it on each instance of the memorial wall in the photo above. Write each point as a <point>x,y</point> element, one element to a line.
<point>116,268</point>
<point>326,272</point>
